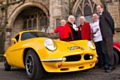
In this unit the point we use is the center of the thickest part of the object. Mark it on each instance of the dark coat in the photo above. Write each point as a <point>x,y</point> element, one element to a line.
<point>106,24</point>
<point>69,33</point>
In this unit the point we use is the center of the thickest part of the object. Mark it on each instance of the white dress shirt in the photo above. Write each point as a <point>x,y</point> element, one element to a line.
<point>75,27</point>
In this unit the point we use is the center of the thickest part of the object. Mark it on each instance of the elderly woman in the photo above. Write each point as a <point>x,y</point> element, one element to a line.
<point>71,30</point>
<point>85,29</point>
<point>60,29</point>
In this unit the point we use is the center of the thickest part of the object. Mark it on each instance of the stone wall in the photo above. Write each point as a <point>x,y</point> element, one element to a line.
<point>18,26</point>
<point>113,8</point>
<point>65,9</point>
<point>55,12</point>
<point>117,37</point>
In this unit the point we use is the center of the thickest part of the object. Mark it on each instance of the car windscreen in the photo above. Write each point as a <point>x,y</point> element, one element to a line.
<point>28,35</point>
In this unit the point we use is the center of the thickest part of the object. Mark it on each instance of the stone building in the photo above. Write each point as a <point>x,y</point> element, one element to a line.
<point>17,15</point>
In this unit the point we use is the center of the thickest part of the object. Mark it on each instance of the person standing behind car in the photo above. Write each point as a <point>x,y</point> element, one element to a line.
<point>85,29</point>
<point>97,38</point>
<point>106,23</point>
<point>60,29</point>
<point>71,30</point>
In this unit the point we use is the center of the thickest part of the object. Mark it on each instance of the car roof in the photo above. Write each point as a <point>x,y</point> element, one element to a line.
<point>30,31</point>
<point>27,31</point>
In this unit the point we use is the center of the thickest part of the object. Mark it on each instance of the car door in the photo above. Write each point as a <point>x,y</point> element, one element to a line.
<point>15,53</point>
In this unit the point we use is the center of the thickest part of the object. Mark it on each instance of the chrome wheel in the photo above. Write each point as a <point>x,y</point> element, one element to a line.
<point>29,64</point>
<point>33,65</point>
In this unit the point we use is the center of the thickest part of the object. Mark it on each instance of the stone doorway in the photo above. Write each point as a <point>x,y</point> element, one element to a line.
<point>30,18</point>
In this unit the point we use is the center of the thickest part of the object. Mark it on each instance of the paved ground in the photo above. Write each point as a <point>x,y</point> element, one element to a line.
<point>94,74</point>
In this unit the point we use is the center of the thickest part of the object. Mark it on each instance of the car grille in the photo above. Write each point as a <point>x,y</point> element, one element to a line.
<point>78,57</point>
<point>73,58</point>
<point>88,56</point>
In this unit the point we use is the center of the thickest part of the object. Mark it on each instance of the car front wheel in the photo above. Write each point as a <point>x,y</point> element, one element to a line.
<point>33,65</point>
<point>7,67</point>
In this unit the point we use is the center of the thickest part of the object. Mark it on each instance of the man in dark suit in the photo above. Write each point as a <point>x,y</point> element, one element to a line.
<point>107,30</point>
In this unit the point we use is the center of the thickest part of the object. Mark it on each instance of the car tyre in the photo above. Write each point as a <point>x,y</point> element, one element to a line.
<point>116,58</point>
<point>7,67</point>
<point>33,65</point>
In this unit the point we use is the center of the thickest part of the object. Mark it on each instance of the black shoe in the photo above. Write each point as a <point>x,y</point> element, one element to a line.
<point>105,67</point>
<point>99,67</point>
<point>109,69</point>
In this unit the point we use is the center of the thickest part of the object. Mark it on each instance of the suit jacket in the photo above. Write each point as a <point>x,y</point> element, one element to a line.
<point>106,24</point>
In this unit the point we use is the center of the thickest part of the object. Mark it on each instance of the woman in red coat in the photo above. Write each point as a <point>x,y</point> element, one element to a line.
<point>85,30</point>
<point>60,29</point>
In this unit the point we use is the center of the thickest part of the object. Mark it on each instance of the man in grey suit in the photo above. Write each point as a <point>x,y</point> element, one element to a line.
<point>107,30</point>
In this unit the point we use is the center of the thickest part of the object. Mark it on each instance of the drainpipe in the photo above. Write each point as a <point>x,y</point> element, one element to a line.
<point>5,21</point>
<point>119,9</point>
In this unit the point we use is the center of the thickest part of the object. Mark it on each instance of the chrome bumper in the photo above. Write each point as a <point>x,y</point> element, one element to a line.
<point>54,60</point>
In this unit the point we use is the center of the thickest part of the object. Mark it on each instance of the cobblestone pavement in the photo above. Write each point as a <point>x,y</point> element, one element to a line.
<point>93,74</point>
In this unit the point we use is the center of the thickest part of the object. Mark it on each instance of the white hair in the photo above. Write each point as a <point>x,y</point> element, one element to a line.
<point>71,16</point>
<point>82,17</point>
<point>63,20</point>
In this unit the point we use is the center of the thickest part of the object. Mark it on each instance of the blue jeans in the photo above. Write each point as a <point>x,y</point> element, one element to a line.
<point>102,56</point>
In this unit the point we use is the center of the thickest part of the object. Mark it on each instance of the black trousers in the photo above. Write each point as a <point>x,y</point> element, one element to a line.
<point>108,43</point>
<point>102,57</point>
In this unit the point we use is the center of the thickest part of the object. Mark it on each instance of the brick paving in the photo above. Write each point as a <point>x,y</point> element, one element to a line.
<point>93,74</point>
<point>1,64</point>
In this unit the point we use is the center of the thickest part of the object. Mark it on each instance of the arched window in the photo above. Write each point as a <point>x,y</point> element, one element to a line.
<point>88,14</point>
<point>25,25</point>
<point>79,13</point>
<point>42,21</point>
<point>77,19</point>
<point>86,8</point>
<point>29,24</point>
<point>34,24</point>
<point>45,20</point>
<point>36,19</point>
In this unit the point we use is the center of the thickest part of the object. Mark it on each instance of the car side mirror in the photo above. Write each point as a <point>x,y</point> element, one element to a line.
<point>14,41</point>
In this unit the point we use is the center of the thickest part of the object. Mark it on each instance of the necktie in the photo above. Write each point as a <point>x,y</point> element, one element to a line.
<point>100,17</point>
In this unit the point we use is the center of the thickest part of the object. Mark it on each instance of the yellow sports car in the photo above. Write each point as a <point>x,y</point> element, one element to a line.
<point>37,52</point>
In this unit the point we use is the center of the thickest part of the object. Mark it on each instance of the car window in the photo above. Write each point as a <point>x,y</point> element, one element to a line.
<point>17,37</point>
<point>28,35</point>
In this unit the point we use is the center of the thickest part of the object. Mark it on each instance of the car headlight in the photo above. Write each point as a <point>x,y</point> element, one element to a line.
<point>91,45</point>
<point>50,44</point>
